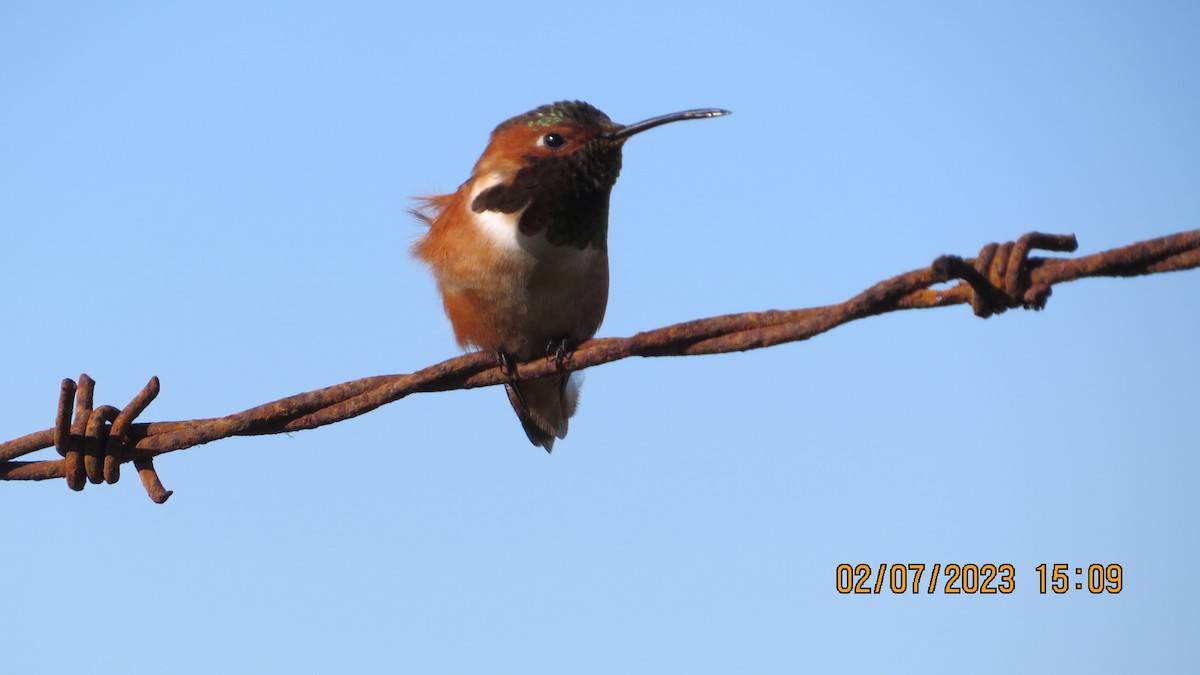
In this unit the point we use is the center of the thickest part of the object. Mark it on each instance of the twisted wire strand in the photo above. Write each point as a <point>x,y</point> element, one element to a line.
<point>94,441</point>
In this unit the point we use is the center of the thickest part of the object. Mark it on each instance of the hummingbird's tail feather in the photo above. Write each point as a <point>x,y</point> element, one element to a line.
<point>544,406</point>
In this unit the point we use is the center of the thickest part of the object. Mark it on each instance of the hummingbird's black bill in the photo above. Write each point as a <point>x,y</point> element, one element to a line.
<point>638,127</point>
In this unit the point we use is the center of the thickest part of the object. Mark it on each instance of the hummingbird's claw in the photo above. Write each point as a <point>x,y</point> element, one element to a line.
<point>508,365</point>
<point>560,351</point>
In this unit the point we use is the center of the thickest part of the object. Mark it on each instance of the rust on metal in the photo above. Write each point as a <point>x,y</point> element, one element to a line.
<point>1003,276</point>
<point>94,442</point>
<point>116,450</point>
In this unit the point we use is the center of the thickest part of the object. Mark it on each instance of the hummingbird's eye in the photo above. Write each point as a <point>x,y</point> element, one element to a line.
<point>554,140</point>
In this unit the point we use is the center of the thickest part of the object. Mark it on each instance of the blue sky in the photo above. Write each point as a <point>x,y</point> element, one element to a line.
<point>217,194</point>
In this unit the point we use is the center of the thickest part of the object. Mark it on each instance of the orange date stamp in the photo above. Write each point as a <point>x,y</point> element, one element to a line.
<point>973,579</point>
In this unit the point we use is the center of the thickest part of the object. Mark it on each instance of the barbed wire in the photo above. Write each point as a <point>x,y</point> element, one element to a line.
<point>94,442</point>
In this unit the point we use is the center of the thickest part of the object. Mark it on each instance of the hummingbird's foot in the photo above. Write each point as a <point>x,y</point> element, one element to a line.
<point>560,350</point>
<point>508,364</point>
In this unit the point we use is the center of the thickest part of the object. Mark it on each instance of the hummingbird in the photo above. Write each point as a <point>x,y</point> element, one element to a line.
<point>520,250</point>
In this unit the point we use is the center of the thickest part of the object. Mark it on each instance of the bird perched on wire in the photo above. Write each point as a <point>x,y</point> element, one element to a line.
<point>520,250</point>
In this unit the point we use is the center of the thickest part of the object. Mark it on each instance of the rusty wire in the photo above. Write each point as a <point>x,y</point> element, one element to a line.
<point>1001,277</point>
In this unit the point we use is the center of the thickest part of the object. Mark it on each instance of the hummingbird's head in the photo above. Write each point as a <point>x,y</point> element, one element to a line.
<point>564,146</point>
<point>569,133</point>
<point>556,166</point>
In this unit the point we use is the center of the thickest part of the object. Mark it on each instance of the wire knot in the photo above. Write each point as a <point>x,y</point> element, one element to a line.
<point>999,277</point>
<point>96,442</point>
